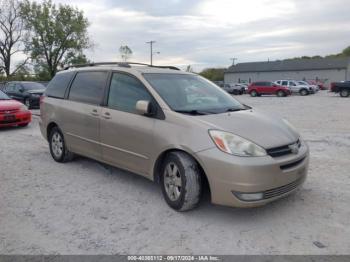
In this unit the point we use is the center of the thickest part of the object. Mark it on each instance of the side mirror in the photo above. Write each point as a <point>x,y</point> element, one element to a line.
<point>21,89</point>
<point>144,108</point>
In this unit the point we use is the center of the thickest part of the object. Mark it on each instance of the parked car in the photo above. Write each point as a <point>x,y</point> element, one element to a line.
<point>295,87</point>
<point>315,88</point>
<point>28,93</point>
<point>343,88</point>
<point>12,112</point>
<point>176,128</point>
<point>320,84</point>
<point>234,88</point>
<point>267,88</point>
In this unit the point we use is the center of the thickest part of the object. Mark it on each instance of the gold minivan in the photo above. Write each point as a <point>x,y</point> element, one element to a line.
<point>175,128</point>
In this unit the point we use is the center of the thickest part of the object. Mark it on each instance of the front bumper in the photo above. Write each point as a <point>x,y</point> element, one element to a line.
<point>20,118</point>
<point>272,178</point>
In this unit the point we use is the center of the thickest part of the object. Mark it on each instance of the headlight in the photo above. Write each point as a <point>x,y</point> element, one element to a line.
<point>235,145</point>
<point>23,108</point>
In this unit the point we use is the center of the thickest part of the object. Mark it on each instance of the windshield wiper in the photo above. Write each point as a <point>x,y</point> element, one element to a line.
<point>232,109</point>
<point>193,112</point>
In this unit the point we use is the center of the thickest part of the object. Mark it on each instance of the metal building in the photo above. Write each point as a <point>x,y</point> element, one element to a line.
<point>326,70</point>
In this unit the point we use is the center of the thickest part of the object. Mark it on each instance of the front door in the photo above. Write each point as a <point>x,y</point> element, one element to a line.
<point>126,137</point>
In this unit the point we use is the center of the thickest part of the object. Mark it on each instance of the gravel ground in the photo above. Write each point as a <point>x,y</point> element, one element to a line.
<point>84,207</point>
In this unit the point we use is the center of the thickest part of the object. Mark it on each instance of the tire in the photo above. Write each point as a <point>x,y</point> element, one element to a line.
<point>180,181</point>
<point>254,93</point>
<point>235,92</point>
<point>27,103</point>
<point>303,92</point>
<point>58,148</point>
<point>281,93</point>
<point>344,93</point>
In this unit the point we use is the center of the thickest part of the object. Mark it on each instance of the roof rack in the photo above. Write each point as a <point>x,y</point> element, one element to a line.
<point>121,64</point>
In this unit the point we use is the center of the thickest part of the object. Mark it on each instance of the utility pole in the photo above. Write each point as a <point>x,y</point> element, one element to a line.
<point>151,49</point>
<point>233,60</point>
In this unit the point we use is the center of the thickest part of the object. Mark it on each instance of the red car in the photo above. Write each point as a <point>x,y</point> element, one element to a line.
<point>268,88</point>
<point>13,113</point>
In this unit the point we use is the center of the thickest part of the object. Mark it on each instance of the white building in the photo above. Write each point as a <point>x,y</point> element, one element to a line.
<point>326,70</point>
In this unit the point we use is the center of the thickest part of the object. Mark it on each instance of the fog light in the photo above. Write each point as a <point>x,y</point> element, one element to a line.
<point>249,196</point>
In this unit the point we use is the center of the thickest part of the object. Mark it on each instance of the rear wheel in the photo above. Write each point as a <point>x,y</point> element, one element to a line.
<point>254,93</point>
<point>344,93</point>
<point>58,148</point>
<point>281,93</point>
<point>181,181</point>
<point>304,92</point>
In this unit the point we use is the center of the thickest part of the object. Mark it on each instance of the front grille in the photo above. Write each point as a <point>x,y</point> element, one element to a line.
<point>282,150</point>
<point>282,190</point>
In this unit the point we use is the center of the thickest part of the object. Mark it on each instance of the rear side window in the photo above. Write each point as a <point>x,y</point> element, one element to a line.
<point>284,83</point>
<point>88,87</point>
<point>125,91</point>
<point>58,85</point>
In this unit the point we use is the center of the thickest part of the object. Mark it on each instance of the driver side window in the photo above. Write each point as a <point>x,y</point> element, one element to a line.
<point>125,91</point>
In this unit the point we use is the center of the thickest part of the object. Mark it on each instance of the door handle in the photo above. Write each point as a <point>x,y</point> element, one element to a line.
<point>94,112</point>
<point>106,115</point>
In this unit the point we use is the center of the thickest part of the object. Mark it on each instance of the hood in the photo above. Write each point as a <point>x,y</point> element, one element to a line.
<point>266,131</point>
<point>36,91</point>
<point>9,105</point>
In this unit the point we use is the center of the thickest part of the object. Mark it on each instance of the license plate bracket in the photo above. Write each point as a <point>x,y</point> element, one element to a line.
<point>10,118</point>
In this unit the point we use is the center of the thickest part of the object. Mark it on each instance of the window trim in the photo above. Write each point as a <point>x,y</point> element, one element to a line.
<point>159,113</point>
<point>67,93</point>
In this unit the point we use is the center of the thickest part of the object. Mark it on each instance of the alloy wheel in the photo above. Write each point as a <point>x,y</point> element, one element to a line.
<point>57,144</point>
<point>172,181</point>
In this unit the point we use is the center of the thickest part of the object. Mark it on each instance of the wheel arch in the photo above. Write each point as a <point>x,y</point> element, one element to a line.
<point>158,165</point>
<point>49,128</point>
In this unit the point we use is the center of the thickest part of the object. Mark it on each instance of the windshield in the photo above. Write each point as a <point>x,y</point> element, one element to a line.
<point>32,86</point>
<point>192,93</point>
<point>3,96</point>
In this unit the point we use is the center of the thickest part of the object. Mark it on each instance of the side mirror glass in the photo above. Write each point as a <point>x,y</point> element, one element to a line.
<point>144,107</point>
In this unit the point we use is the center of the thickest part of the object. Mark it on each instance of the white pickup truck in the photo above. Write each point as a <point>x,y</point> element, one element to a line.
<point>297,87</point>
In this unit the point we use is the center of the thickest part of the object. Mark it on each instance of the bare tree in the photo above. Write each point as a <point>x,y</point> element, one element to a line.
<point>125,52</point>
<point>12,34</point>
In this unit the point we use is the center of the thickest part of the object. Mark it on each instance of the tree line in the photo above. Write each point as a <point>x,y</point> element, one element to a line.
<point>51,36</point>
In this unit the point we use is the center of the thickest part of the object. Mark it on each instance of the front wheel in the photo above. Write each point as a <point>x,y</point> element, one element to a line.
<point>304,92</point>
<point>58,148</point>
<point>181,181</point>
<point>344,93</point>
<point>281,93</point>
<point>254,93</point>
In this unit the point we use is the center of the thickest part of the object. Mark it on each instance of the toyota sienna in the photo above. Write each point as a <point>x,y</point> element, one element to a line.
<point>175,128</point>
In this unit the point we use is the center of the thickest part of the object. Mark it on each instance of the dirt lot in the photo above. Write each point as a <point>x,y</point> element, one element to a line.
<point>83,207</point>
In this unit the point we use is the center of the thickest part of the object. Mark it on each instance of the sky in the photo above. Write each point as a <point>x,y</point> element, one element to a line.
<point>207,33</point>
